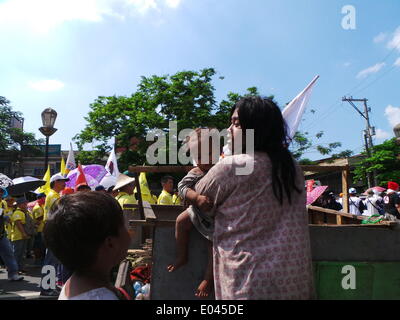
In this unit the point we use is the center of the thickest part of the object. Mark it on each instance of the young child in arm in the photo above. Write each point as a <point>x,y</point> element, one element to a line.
<point>195,215</point>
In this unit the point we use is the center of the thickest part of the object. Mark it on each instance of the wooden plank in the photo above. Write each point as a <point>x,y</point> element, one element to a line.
<point>343,214</point>
<point>123,278</point>
<point>345,189</point>
<point>148,212</point>
<point>355,225</point>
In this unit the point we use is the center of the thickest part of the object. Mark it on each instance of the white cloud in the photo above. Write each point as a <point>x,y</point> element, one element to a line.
<point>44,15</point>
<point>380,37</point>
<point>395,41</point>
<point>173,3</point>
<point>397,63</point>
<point>381,134</point>
<point>46,85</point>
<point>374,69</point>
<point>393,115</point>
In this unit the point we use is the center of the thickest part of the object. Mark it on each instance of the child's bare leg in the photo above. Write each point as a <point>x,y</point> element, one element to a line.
<point>207,285</point>
<point>182,231</point>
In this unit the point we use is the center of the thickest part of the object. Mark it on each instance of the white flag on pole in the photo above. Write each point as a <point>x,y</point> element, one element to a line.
<point>70,165</point>
<point>294,111</point>
<point>111,165</point>
<point>110,179</point>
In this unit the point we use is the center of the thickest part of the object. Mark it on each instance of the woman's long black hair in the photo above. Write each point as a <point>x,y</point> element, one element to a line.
<point>270,136</point>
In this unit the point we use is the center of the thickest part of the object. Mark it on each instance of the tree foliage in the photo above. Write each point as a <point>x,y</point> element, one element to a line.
<point>385,161</point>
<point>14,140</point>
<point>186,97</point>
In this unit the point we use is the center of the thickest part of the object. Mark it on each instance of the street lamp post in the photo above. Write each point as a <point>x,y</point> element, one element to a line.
<point>48,119</point>
<point>396,131</point>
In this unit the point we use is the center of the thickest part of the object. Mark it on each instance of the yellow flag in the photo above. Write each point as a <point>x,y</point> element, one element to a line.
<point>45,188</point>
<point>145,190</point>
<point>62,170</point>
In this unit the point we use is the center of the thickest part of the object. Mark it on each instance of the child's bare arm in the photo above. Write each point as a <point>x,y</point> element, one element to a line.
<point>202,202</point>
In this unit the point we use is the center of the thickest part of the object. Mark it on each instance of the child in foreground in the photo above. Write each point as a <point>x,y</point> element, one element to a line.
<point>86,232</point>
<point>195,214</point>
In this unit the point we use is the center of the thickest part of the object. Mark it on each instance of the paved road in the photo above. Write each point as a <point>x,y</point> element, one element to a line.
<point>21,290</point>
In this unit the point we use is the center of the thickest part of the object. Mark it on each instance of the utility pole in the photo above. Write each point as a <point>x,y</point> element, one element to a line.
<point>368,133</point>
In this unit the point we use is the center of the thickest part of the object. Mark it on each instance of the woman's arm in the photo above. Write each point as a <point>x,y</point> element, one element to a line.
<point>217,184</point>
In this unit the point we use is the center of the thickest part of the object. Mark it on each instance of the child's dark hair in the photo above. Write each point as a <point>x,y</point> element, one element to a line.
<point>77,226</point>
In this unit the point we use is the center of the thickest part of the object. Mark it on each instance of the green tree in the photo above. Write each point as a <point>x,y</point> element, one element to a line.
<point>385,161</point>
<point>14,140</point>
<point>186,97</point>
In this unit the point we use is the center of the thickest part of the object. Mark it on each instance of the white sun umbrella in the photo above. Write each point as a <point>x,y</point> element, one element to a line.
<point>25,184</point>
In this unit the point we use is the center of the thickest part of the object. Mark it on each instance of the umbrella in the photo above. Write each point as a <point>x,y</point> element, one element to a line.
<point>24,184</point>
<point>93,174</point>
<point>315,194</point>
<point>108,181</point>
<point>5,181</point>
<point>378,189</point>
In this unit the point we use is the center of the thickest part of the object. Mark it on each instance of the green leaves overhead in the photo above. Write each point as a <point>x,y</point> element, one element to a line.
<point>384,161</point>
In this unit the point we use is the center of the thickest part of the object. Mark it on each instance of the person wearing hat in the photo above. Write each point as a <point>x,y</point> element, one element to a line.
<point>6,251</point>
<point>125,186</point>
<point>19,236</point>
<point>356,205</point>
<point>57,184</point>
<point>391,202</point>
<point>38,214</point>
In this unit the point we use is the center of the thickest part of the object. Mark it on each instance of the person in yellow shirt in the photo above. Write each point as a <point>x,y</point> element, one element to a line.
<point>150,198</point>
<point>6,252</point>
<point>176,199</point>
<point>38,215</point>
<point>165,197</point>
<point>57,184</point>
<point>19,237</point>
<point>125,186</point>
<point>9,209</point>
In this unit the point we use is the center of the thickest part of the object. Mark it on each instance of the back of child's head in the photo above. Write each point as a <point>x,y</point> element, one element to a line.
<point>198,141</point>
<point>77,226</point>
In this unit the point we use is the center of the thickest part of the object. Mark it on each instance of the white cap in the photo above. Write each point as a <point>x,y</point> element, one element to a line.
<point>352,190</point>
<point>57,177</point>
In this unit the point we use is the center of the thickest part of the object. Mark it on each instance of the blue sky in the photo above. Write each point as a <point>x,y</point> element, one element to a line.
<point>65,53</point>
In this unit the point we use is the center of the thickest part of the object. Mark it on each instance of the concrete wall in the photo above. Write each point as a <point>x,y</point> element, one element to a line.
<point>356,244</point>
<point>182,283</point>
<point>361,244</point>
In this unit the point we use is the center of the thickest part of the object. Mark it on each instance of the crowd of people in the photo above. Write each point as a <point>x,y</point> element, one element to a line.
<point>372,202</point>
<point>22,222</point>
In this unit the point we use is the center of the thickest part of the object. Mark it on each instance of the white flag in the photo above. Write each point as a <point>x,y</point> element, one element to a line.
<point>295,109</point>
<point>111,165</point>
<point>70,165</point>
